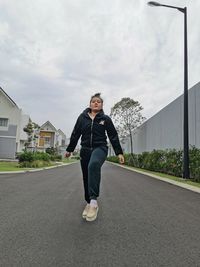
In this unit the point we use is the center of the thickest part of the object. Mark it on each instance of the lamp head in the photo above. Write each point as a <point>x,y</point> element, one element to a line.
<point>152,3</point>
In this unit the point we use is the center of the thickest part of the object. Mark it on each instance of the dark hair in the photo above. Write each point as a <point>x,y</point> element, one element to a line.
<point>98,95</point>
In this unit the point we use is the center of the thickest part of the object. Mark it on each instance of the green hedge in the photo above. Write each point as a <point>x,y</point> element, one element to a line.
<point>195,163</point>
<point>166,161</point>
<point>33,156</point>
<point>37,159</point>
<point>55,157</point>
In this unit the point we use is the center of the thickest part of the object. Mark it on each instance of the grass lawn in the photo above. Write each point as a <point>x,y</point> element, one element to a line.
<point>10,166</point>
<point>14,166</point>
<point>68,160</point>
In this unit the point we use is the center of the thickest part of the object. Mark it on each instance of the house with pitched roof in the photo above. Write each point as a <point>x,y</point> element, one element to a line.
<point>61,138</point>
<point>49,136</point>
<point>12,122</point>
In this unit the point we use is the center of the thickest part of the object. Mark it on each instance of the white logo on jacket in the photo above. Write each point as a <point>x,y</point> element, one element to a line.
<point>102,122</point>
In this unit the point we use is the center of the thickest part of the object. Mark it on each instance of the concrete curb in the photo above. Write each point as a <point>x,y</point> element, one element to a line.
<point>37,170</point>
<point>186,186</point>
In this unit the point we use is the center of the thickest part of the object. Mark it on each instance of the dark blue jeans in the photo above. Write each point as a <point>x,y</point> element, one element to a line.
<point>91,163</point>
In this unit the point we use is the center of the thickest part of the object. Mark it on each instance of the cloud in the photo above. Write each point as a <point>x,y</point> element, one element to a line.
<point>55,55</point>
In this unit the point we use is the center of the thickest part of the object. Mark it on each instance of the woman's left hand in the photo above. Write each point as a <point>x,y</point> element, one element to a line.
<point>121,158</point>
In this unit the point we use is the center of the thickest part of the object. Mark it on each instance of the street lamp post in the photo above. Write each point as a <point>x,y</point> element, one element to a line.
<point>186,172</point>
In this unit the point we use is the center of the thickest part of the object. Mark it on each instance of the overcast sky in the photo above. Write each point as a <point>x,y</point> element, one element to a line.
<point>55,54</point>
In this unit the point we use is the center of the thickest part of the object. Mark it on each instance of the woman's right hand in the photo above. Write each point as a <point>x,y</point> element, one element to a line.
<point>67,154</point>
<point>121,159</point>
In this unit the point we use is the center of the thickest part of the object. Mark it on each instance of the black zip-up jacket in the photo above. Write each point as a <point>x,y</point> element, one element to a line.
<point>93,132</point>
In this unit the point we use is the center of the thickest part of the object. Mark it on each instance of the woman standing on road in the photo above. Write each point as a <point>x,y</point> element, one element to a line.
<point>92,125</point>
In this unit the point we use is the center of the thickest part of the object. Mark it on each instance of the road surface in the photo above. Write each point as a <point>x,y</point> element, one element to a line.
<point>141,222</point>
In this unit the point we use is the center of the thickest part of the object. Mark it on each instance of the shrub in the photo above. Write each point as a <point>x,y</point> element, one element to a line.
<point>51,151</point>
<point>194,155</point>
<point>130,159</point>
<point>167,161</point>
<point>174,162</point>
<point>55,157</point>
<point>26,156</point>
<point>33,159</point>
<point>142,160</point>
<point>41,156</point>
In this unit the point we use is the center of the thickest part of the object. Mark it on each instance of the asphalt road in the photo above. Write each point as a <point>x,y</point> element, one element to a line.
<point>141,222</point>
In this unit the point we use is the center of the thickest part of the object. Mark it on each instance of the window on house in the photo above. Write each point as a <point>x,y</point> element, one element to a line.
<point>47,140</point>
<point>3,122</point>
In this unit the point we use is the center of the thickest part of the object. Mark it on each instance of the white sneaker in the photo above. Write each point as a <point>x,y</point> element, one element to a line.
<point>92,213</point>
<point>85,211</point>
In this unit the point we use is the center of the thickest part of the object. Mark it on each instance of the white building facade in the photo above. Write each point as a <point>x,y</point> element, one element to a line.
<point>165,129</point>
<point>12,122</point>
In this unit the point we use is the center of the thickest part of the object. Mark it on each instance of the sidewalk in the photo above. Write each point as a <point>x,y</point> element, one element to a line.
<point>183,185</point>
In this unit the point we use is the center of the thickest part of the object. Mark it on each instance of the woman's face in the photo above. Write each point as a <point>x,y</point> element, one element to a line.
<point>96,104</point>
